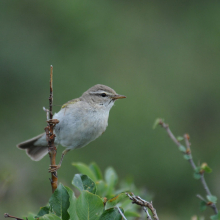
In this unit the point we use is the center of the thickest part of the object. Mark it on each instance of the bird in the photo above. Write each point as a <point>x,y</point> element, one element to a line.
<point>81,121</point>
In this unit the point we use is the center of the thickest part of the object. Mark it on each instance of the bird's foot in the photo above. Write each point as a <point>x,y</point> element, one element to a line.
<point>53,168</point>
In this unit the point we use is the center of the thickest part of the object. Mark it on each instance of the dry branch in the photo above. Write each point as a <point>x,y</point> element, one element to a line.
<point>6,215</point>
<point>139,201</point>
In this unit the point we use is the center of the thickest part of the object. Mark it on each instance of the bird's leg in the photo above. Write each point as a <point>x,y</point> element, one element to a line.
<point>54,168</point>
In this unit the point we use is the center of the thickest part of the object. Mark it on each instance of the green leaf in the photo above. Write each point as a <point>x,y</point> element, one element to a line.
<point>182,149</point>
<point>206,168</point>
<point>203,206</point>
<point>197,170</point>
<point>59,202</point>
<point>72,208</point>
<point>215,217</point>
<point>30,216</point>
<point>212,198</point>
<point>114,201</point>
<point>48,217</point>
<point>101,188</point>
<point>43,211</point>
<point>132,214</point>
<point>187,156</point>
<point>111,214</point>
<point>96,170</point>
<point>89,206</point>
<point>157,122</point>
<point>179,138</point>
<point>84,169</point>
<point>197,175</point>
<point>83,182</point>
<point>111,180</point>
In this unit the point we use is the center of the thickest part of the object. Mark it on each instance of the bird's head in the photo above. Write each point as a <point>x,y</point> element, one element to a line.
<point>101,96</point>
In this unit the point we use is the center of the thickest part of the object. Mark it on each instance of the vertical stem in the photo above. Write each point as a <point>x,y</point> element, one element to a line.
<point>52,150</point>
<point>51,93</point>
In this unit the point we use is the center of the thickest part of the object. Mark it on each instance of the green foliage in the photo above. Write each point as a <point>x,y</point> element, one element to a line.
<point>115,200</point>
<point>89,206</point>
<point>43,211</point>
<point>215,217</point>
<point>31,216</point>
<point>180,138</point>
<point>72,208</point>
<point>83,182</point>
<point>187,156</point>
<point>203,205</point>
<point>212,199</point>
<point>182,148</point>
<point>59,202</point>
<point>200,170</point>
<point>206,168</point>
<point>85,170</point>
<point>196,175</point>
<point>96,170</point>
<point>111,214</point>
<point>49,217</point>
<point>157,122</point>
<point>99,198</point>
<point>111,179</point>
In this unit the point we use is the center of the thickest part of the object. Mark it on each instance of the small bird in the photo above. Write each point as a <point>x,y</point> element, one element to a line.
<point>81,121</point>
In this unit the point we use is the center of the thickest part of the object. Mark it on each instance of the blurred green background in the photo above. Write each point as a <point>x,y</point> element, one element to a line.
<point>163,55</point>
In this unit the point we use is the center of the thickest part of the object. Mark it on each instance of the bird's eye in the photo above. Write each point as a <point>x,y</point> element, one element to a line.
<point>103,94</point>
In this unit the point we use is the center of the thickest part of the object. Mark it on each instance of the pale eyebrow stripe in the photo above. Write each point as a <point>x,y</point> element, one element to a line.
<point>100,92</point>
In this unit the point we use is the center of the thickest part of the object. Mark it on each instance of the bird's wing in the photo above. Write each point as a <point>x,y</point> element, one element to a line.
<point>70,102</point>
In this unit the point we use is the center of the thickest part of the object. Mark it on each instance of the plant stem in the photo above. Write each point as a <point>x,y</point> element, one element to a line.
<point>188,151</point>
<point>52,150</point>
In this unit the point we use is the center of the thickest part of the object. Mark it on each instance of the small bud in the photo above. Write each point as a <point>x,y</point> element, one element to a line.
<point>187,136</point>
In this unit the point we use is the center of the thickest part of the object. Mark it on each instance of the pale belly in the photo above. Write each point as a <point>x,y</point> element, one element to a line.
<point>76,132</point>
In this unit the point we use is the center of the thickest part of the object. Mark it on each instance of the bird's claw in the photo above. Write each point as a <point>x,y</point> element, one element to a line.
<point>53,168</point>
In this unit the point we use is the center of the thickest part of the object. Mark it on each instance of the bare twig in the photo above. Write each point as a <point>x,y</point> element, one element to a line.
<point>188,152</point>
<point>6,215</point>
<point>139,201</point>
<point>52,150</point>
<point>201,198</point>
<point>121,213</point>
<point>51,93</point>
<point>148,215</point>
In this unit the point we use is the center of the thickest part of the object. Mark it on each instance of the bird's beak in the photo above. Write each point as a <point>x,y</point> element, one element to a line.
<point>115,97</point>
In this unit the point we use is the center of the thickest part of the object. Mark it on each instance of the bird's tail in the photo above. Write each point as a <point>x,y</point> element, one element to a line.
<point>36,148</point>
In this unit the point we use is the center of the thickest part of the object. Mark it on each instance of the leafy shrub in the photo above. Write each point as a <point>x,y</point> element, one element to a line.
<point>99,198</point>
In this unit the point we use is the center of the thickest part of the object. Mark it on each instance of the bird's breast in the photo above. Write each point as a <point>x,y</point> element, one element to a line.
<point>76,129</point>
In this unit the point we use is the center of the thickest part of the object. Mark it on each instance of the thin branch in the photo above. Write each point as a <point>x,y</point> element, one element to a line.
<point>188,152</point>
<point>211,204</point>
<point>201,198</point>
<point>121,213</point>
<point>205,185</point>
<point>6,215</point>
<point>148,215</point>
<point>51,123</point>
<point>139,201</point>
<point>173,138</point>
<point>51,93</point>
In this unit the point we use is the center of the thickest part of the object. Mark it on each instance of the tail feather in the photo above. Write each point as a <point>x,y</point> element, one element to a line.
<point>36,148</point>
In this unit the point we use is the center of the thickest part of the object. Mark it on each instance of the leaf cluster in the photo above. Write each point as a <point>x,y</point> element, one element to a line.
<point>98,199</point>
